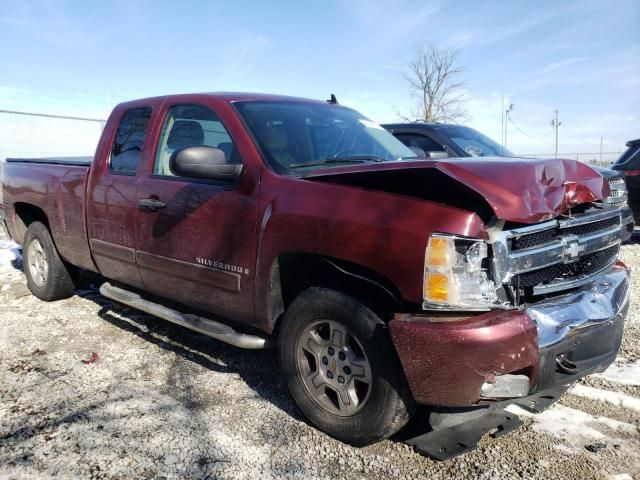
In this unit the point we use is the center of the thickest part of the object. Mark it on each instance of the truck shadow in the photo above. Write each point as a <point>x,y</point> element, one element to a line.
<point>259,369</point>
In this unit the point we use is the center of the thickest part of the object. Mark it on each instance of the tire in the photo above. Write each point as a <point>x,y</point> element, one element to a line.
<point>375,401</point>
<point>48,276</point>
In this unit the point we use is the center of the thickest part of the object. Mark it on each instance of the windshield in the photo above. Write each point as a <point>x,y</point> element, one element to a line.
<point>297,135</point>
<point>473,142</point>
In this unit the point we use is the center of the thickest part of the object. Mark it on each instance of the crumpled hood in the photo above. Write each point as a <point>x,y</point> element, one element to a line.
<point>517,190</point>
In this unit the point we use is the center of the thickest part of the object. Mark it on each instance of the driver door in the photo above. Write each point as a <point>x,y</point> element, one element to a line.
<point>196,241</point>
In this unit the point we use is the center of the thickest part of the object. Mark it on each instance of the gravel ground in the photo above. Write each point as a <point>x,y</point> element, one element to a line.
<point>89,388</point>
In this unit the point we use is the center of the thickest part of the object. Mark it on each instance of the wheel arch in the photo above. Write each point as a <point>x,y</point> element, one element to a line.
<point>293,272</point>
<point>24,215</point>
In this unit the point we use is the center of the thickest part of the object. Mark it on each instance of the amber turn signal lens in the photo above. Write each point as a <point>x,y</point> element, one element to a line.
<point>438,252</point>
<point>437,287</point>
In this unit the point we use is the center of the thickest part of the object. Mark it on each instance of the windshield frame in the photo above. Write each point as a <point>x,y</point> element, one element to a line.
<point>301,171</point>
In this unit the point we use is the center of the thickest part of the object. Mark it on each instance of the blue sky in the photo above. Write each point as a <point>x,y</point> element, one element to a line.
<point>581,57</point>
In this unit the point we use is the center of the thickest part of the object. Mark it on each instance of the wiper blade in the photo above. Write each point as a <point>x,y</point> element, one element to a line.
<point>349,159</point>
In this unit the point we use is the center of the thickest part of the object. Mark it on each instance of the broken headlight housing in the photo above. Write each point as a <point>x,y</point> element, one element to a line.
<point>456,275</point>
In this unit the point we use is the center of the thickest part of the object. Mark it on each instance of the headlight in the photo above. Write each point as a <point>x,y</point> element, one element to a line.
<point>455,275</point>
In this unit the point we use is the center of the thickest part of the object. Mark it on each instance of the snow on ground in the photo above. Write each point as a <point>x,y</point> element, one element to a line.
<point>622,373</point>
<point>615,398</point>
<point>575,425</point>
<point>9,252</point>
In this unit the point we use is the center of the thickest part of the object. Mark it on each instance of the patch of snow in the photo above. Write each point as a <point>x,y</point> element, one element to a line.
<point>615,398</point>
<point>622,373</point>
<point>573,425</point>
<point>620,476</point>
<point>9,252</point>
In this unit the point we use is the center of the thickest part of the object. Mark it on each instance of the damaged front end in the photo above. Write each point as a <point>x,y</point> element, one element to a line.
<point>555,296</point>
<point>518,310</point>
<point>483,358</point>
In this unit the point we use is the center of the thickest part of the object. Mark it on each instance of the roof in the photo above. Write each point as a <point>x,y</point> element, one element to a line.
<point>229,97</point>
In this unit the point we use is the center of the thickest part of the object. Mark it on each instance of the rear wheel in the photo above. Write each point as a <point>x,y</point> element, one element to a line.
<point>48,276</point>
<point>341,369</point>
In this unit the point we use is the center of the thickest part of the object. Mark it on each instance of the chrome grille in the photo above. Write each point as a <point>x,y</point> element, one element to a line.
<point>559,254</point>
<point>618,195</point>
<point>585,265</point>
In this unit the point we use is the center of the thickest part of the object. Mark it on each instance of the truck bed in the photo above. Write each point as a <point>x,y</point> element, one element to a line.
<point>57,187</point>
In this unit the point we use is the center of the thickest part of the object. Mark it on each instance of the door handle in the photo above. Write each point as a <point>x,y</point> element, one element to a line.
<point>152,204</point>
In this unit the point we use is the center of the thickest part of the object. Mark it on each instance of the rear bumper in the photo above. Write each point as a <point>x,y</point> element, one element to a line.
<point>553,342</point>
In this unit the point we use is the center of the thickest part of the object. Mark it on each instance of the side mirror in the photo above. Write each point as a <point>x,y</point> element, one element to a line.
<point>204,162</point>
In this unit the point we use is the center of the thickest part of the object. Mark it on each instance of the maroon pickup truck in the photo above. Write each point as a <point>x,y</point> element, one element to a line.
<point>385,280</point>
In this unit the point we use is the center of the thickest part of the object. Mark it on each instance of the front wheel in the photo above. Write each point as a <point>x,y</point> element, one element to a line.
<point>341,369</point>
<point>48,276</point>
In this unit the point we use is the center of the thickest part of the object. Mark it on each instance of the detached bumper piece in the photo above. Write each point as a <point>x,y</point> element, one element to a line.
<point>458,431</point>
<point>443,444</point>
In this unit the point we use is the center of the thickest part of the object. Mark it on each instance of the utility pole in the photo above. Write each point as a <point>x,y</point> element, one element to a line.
<point>506,122</point>
<point>601,140</point>
<point>502,125</point>
<point>556,124</point>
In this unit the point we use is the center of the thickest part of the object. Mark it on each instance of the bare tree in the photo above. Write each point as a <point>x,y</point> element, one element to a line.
<point>436,91</point>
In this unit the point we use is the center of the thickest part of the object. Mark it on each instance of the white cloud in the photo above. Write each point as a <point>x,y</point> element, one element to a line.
<point>394,17</point>
<point>563,63</point>
<point>47,21</point>
<point>252,46</point>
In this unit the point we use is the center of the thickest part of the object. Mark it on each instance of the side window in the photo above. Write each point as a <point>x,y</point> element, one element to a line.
<point>192,126</point>
<point>420,141</point>
<point>127,146</point>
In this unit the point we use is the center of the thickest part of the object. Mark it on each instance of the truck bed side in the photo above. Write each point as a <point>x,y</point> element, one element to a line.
<point>53,191</point>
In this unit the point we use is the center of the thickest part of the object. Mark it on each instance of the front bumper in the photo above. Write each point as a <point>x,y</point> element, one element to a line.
<point>554,342</point>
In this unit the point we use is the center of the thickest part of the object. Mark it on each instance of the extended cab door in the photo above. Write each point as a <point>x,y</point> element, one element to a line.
<point>111,196</point>
<point>196,241</point>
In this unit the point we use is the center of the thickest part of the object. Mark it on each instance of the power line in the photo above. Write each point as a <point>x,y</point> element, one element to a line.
<point>526,134</point>
<point>30,114</point>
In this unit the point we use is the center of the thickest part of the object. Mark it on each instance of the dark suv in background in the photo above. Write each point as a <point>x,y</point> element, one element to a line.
<point>440,140</point>
<point>629,166</point>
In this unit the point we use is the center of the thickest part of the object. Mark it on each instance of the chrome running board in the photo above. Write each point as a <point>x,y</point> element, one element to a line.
<point>211,328</point>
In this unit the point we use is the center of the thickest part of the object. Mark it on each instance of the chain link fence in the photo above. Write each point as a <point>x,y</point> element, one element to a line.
<point>601,159</point>
<point>28,134</point>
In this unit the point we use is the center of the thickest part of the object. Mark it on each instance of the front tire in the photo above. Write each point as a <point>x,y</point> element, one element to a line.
<point>340,367</point>
<point>48,276</point>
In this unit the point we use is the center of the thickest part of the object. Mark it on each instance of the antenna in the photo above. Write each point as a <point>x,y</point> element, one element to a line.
<point>333,100</point>
<point>506,116</point>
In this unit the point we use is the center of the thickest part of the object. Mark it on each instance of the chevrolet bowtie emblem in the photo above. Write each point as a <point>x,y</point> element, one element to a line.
<point>333,366</point>
<point>572,247</point>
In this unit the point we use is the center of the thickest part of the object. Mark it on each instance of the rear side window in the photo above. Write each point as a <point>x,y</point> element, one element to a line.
<point>127,146</point>
<point>420,141</point>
